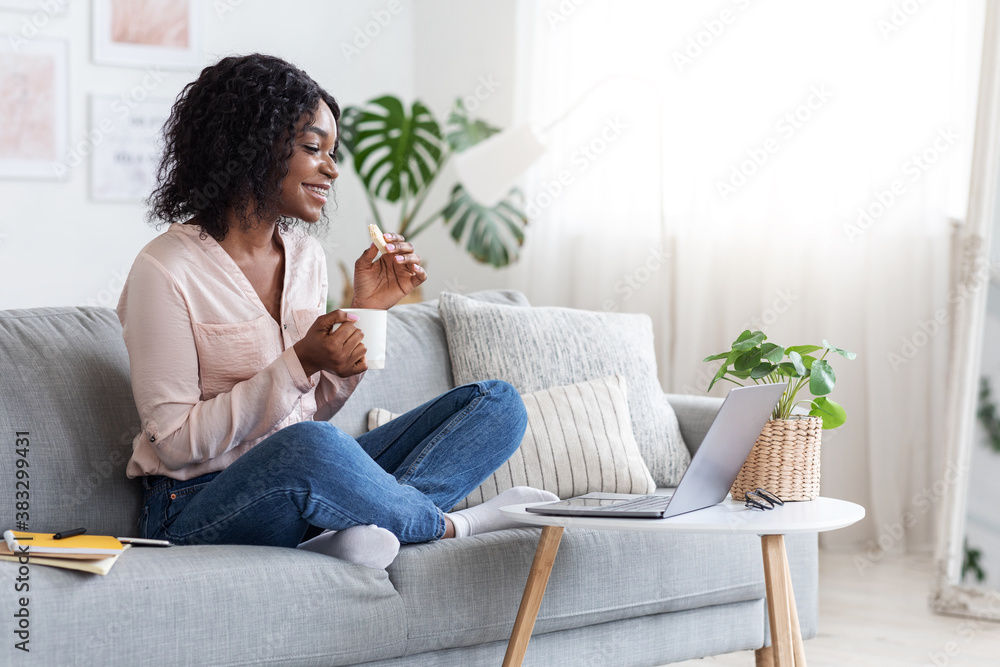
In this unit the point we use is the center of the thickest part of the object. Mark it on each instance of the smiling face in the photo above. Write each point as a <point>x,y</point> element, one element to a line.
<point>311,168</point>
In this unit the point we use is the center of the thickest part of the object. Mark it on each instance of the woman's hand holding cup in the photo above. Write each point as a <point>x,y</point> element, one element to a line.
<point>333,344</point>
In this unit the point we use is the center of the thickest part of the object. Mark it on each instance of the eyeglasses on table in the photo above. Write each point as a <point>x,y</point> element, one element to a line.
<point>762,499</point>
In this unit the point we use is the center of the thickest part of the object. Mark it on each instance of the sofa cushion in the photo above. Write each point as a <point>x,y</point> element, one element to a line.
<point>695,415</point>
<point>537,348</point>
<point>466,591</point>
<point>66,383</point>
<point>578,440</point>
<point>417,366</point>
<point>656,639</point>
<point>211,605</point>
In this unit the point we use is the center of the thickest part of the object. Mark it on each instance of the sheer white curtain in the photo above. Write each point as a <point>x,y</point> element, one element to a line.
<point>785,166</point>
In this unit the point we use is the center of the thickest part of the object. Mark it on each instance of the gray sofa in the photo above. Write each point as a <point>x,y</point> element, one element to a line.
<point>614,598</point>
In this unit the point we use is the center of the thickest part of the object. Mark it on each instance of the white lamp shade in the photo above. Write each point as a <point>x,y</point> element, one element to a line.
<point>488,169</point>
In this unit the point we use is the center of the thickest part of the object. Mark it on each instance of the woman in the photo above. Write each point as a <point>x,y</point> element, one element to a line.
<point>235,367</point>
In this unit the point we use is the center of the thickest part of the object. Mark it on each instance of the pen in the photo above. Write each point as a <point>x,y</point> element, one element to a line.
<point>143,542</point>
<point>69,533</point>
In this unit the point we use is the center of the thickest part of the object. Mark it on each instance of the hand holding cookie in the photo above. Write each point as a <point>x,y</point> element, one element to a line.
<point>386,272</point>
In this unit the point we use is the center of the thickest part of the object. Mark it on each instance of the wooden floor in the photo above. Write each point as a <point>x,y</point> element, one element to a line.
<point>881,618</point>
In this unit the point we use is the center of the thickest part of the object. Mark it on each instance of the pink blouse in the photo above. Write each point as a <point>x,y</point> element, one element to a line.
<point>212,372</point>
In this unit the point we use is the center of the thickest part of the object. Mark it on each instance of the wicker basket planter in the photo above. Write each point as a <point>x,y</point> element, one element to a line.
<point>784,460</point>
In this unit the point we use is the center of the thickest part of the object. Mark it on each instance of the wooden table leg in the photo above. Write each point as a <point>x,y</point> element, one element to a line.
<point>798,650</point>
<point>534,590</point>
<point>763,657</point>
<point>786,648</point>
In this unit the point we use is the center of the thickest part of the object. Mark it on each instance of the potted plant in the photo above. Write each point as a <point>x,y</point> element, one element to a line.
<point>398,154</point>
<point>785,459</point>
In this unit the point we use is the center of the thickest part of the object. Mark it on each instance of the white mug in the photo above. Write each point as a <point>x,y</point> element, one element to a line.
<point>372,323</point>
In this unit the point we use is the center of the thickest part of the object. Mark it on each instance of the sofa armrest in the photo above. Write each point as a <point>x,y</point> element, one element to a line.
<point>694,416</point>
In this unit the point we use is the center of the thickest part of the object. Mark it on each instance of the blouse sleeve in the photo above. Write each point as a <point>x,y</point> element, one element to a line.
<point>182,429</point>
<point>332,392</point>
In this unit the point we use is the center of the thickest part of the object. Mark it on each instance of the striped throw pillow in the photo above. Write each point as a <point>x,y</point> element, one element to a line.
<point>579,440</point>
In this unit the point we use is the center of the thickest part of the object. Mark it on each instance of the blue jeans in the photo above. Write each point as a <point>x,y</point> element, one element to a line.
<point>401,476</point>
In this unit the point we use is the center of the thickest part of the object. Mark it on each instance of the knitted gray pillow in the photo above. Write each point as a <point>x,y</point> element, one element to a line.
<point>536,348</point>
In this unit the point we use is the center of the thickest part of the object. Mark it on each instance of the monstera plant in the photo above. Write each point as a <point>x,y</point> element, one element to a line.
<point>398,153</point>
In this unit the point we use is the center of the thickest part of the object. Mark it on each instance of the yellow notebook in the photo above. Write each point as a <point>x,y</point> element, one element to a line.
<point>93,564</point>
<point>42,544</point>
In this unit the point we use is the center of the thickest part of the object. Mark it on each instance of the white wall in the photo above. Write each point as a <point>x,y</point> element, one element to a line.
<point>57,247</point>
<point>463,48</point>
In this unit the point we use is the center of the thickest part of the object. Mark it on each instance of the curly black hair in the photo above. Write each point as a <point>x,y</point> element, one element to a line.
<point>228,140</point>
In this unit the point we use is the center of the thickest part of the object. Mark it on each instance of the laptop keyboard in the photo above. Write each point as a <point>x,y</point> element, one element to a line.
<point>640,504</point>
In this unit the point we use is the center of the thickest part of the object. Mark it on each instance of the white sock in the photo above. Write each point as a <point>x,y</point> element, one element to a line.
<point>369,545</point>
<point>486,518</point>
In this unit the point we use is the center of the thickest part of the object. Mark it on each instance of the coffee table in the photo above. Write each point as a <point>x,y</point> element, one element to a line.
<point>813,516</point>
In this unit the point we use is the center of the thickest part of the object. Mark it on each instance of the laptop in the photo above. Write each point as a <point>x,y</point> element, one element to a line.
<point>710,475</point>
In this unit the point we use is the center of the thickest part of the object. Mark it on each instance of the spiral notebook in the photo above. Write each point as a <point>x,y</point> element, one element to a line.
<point>44,544</point>
<point>68,556</point>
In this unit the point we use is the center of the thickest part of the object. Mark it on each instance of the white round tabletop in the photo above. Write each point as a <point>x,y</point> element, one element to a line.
<point>812,516</point>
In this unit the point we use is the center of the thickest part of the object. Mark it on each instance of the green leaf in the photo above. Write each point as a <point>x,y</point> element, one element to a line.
<point>844,353</point>
<point>788,369</point>
<point>720,355</point>
<point>744,343</point>
<point>762,370</point>
<point>821,379</point>
<point>833,414</point>
<point>800,368</point>
<point>771,352</point>
<point>394,152</point>
<point>465,132</point>
<point>808,360</point>
<point>718,376</point>
<point>743,375</point>
<point>492,235</point>
<point>802,349</point>
<point>747,360</point>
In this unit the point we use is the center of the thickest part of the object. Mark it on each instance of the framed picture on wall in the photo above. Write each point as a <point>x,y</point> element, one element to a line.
<point>137,33</point>
<point>123,163</point>
<point>34,109</point>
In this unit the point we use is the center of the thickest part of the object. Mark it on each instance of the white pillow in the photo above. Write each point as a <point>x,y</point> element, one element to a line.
<point>535,348</point>
<point>579,439</point>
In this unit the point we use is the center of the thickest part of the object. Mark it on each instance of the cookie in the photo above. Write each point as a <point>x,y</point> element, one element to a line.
<point>377,238</point>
